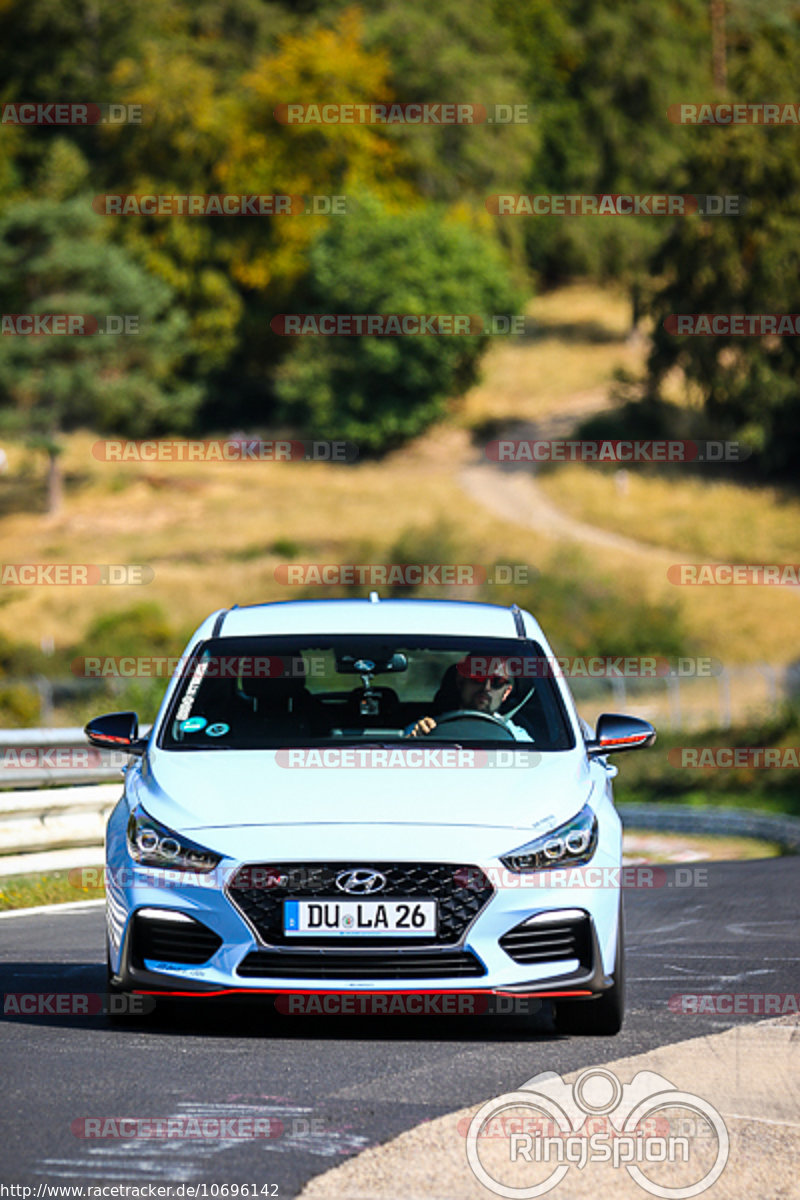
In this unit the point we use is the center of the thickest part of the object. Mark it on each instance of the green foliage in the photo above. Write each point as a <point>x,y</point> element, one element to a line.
<point>141,629</point>
<point>651,776</point>
<point>19,706</point>
<point>467,59</point>
<point>584,613</point>
<point>53,259</point>
<point>379,391</point>
<point>596,78</point>
<point>744,264</point>
<point>602,92</point>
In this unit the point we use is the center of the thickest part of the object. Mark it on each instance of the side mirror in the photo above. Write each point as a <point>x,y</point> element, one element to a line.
<point>617,732</point>
<point>116,731</point>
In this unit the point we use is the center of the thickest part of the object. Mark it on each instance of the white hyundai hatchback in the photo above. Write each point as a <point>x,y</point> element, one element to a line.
<point>370,796</point>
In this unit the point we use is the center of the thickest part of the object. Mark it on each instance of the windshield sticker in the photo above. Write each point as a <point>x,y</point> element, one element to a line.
<point>218,730</point>
<point>193,725</point>
<point>187,700</point>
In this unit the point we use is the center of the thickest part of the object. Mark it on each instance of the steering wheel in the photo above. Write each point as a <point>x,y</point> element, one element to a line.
<point>471,714</point>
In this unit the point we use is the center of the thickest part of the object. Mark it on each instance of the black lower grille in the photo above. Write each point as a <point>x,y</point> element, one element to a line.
<point>550,941</point>
<point>370,965</point>
<point>461,891</point>
<point>186,942</point>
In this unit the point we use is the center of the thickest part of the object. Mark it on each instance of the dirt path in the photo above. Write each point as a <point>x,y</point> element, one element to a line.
<point>510,491</point>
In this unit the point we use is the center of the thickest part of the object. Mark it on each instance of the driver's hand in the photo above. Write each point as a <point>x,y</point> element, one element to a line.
<point>424,725</point>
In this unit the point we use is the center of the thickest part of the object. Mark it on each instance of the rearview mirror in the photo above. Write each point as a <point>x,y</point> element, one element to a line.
<point>354,664</point>
<point>616,732</point>
<point>116,731</point>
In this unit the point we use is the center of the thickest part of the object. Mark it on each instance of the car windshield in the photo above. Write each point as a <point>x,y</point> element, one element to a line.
<point>271,692</point>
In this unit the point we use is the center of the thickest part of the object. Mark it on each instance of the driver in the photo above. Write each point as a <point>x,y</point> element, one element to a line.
<point>479,691</point>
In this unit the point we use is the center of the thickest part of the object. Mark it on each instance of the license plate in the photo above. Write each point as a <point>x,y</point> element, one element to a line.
<point>353,918</point>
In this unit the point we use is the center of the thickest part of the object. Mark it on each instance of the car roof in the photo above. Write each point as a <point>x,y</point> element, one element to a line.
<point>458,618</point>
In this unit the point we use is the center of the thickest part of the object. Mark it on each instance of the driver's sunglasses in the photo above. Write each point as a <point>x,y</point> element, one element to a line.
<point>495,681</point>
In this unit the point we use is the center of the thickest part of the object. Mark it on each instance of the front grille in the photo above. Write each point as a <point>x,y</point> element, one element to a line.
<point>461,891</point>
<point>184,942</point>
<point>550,941</point>
<point>338,964</point>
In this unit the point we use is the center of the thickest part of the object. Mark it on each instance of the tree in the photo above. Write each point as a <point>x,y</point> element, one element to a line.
<point>54,260</point>
<point>601,92</point>
<point>749,385</point>
<point>380,391</point>
<point>450,52</point>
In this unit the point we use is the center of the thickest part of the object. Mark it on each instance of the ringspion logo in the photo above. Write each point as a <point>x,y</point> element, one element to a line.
<point>637,1134</point>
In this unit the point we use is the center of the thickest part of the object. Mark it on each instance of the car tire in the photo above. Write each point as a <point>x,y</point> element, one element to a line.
<point>114,990</point>
<point>602,1017</point>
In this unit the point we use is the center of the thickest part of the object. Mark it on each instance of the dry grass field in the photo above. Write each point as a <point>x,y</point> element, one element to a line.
<point>215,533</point>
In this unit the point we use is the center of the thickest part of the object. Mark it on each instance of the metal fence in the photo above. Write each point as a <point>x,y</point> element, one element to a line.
<point>735,696</point>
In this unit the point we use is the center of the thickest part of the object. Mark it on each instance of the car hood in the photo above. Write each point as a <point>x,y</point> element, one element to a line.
<point>198,792</point>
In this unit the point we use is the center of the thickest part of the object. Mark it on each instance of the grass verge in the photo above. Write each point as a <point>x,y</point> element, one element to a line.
<point>51,887</point>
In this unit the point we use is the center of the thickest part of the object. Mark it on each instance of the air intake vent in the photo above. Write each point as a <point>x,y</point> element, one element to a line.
<point>366,965</point>
<point>550,941</point>
<point>167,940</point>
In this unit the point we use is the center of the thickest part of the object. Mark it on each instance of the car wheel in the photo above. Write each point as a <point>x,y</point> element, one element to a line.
<point>602,1017</point>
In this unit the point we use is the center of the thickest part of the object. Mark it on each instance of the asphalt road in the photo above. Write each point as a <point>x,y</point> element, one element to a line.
<point>338,1085</point>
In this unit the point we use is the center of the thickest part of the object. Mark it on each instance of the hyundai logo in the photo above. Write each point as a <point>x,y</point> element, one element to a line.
<point>360,882</point>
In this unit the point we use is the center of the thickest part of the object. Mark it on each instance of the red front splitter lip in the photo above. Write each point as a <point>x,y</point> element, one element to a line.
<point>204,995</point>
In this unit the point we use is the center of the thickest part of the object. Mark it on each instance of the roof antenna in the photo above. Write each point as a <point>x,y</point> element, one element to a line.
<point>374,598</point>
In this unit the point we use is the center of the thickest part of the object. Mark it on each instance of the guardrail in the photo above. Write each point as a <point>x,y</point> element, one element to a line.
<point>57,819</point>
<point>73,819</point>
<point>33,820</point>
<point>32,758</point>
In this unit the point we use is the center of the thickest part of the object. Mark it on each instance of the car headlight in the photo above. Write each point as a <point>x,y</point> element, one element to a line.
<point>152,844</point>
<point>569,845</point>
